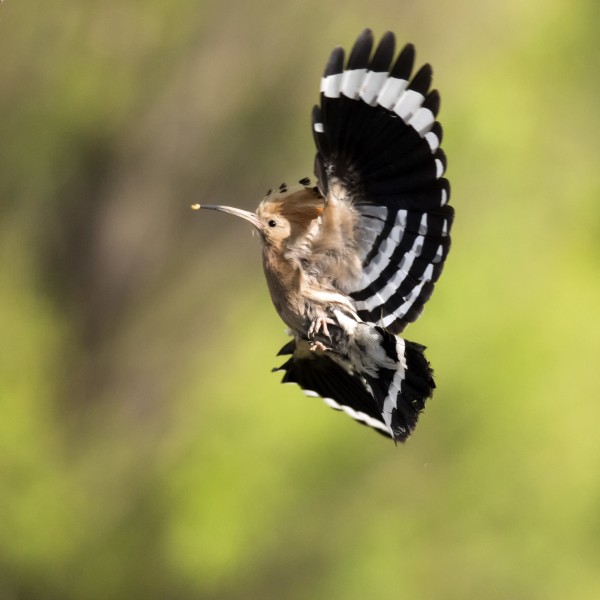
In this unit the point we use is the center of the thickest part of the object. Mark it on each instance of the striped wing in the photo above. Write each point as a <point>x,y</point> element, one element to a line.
<point>378,140</point>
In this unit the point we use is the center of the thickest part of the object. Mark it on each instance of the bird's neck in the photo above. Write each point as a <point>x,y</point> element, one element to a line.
<point>281,274</point>
<point>284,282</point>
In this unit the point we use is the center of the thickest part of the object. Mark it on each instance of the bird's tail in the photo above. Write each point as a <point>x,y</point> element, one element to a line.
<point>395,370</point>
<point>400,379</point>
<point>327,375</point>
<point>382,381</point>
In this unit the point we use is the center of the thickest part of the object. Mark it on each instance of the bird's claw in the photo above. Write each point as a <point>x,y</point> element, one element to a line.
<point>318,346</point>
<point>319,325</point>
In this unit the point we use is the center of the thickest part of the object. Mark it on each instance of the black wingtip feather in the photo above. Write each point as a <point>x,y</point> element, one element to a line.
<point>432,102</point>
<point>422,80</point>
<point>382,59</point>
<point>361,52</point>
<point>316,114</point>
<point>404,63</point>
<point>438,130</point>
<point>335,64</point>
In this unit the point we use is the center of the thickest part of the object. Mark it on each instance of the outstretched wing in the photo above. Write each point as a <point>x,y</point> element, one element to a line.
<point>379,157</point>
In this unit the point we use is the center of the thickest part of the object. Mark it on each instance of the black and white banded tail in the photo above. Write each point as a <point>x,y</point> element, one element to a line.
<point>388,399</point>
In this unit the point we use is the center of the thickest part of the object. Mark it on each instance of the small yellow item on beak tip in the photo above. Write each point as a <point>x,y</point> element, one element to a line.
<point>196,207</point>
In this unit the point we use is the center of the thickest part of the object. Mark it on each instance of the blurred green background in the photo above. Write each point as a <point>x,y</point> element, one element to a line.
<point>146,451</point>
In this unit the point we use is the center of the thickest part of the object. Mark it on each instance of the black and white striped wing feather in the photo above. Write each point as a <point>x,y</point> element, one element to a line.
<point>378,141</point>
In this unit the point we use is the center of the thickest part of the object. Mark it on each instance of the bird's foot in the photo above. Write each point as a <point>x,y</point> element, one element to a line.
<point>319,326</point>
<point>318,346</point>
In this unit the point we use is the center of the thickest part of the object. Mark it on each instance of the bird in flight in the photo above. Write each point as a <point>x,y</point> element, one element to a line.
<point>352,259</point>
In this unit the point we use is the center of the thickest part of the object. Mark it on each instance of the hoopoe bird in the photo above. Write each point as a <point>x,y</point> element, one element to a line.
<point>350,261</point>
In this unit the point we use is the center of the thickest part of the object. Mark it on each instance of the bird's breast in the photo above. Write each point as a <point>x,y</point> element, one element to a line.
<point>284,283</point>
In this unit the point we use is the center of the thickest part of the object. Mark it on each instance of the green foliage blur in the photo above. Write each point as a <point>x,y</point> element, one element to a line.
<point>146,451</point>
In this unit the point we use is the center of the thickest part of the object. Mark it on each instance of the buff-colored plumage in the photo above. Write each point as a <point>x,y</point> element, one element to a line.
<point>349,262</point>
<point>309,253</point>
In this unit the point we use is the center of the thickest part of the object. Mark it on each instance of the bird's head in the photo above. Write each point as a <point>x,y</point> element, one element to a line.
<point>280,215</point>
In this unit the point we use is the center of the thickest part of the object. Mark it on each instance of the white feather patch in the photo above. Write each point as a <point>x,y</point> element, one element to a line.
<point>331,85</point>
<point>358,416</point>
<point>427,273</point>
<point>444,197</point>
<point>408,104</point>
<point>439,254</point>
<point>374,300</point>
<point>422,121</point>
<point>390,92</point>
<point>351,82</point>
<point>439,171</point>
<point>433,141</point>
<point>390,288</point>
<point>391,400</point>
<point>405,307</point>
<point>386,249</point>
<point>371,86</point>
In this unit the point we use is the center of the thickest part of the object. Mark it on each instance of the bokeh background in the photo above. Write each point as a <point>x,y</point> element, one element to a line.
<point>146,451</point>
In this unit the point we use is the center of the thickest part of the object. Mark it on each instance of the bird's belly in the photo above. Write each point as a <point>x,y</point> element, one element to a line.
<point>294,316</point>
<point>305,307</point>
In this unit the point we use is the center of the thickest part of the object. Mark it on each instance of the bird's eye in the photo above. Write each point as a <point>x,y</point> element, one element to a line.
<point>272,223</point>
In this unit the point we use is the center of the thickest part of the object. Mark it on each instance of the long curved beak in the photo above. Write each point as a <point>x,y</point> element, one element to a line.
<point>237,212</point>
